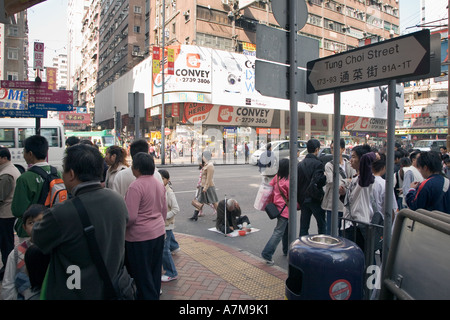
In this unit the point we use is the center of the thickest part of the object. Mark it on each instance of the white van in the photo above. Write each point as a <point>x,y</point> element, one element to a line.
<point>13,131</point>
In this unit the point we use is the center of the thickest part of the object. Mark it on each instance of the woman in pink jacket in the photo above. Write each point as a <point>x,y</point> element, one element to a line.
<point>144,236</point>
<point>280,194</point>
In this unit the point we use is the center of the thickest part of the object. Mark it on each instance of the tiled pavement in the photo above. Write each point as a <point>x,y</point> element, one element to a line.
<point>208,270</point>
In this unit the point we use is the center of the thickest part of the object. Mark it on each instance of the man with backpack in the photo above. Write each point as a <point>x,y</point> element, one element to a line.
<point>311,180</point>
<point>30,184</point>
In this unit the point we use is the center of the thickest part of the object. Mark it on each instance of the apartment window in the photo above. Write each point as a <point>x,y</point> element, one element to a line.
<point>13,76</point>
<point>13,53</point>
<point>137,9</point>
<point>315,20</point>
<point>13,31</point>
<point>137,29</point>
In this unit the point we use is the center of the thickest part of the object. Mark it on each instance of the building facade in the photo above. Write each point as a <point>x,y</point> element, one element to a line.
<point>14,48</point>
<point>219,25</point>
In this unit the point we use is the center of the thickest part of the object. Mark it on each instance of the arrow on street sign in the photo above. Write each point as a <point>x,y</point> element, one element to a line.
<point>50,106</point>
<point>48,96</point>
<point>373,64</point>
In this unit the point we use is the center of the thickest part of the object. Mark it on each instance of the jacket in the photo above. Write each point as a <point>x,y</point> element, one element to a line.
<point>172,208</point>
<point>207,176</point>
<point>231,218</point>
<point>277,198</point>
<point>432,194</point>
<point>311,165</point>
<point>28,190</point>
<point>8,177</point>
<point>60,233</point>
<point>349,172</point>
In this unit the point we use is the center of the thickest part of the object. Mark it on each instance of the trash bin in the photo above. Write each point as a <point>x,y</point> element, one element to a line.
<point>322,267</point>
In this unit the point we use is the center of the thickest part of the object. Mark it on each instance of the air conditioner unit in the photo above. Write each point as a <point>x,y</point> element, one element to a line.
<point>226,2</point>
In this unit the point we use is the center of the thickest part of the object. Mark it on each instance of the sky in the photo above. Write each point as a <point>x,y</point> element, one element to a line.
<point>47,22</point>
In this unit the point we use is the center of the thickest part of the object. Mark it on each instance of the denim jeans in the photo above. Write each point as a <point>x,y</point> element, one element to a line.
<point>167,261</point>
<point>280,233</point>
<point>309,209</point>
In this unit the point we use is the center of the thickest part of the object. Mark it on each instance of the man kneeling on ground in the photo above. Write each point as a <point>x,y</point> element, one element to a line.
<point>234,220</point>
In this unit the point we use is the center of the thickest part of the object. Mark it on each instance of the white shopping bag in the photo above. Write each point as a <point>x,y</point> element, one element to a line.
<point>263,197</point>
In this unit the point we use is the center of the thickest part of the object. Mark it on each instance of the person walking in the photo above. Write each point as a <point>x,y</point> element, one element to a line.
<point>8,177</point>
<point>144,238</point>
<point>170,244</point>
<point>208,190</point>
<point>311,180</point>
<point>280,184</point>
<point>267,163</point>
<point>115,158</point>
<point>60,233</point>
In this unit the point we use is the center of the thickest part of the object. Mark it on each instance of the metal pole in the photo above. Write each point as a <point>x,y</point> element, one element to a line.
<point>448,84</point>
<point>137,119</point>
<point>163,112</point>
<point>225,230</point>
<point>293,123</point>
<point>389,197</point>
<point>336,160</point>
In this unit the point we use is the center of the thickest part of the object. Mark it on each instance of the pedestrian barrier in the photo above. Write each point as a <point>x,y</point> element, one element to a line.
<point>419,256</point>
<point>372,244</point>
<point>322,267</point>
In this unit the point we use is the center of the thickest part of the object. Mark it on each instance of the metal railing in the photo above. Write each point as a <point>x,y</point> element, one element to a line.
<point>368,232</point>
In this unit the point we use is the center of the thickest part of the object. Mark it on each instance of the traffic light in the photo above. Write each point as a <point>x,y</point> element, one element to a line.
<point>118,121</point>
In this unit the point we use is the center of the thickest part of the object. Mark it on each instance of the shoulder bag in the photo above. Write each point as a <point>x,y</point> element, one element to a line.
<point>271,209</point>
<point>122,287</point>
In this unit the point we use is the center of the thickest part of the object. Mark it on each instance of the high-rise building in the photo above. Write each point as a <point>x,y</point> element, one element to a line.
<point>14,48</point>
<point>426,101</point>
<point>60,63</point>
<point>121,38</point>
<point>220,25</point>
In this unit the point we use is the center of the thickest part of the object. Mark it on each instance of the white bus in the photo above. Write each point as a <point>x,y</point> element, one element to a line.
<point>13,131</point>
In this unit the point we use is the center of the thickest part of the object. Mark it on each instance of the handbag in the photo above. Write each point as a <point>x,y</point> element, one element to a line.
<point>271,209</point>
<point>197,204</point>
<point>122,287</point>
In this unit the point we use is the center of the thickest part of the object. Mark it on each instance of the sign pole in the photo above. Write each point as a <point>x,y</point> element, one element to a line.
<point>389,197</point>
<point>293,123</point>
<point>163,112</point>
<point>336,160</point>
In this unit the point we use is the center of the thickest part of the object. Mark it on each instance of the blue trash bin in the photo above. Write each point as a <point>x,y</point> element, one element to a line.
<point>322,267</point>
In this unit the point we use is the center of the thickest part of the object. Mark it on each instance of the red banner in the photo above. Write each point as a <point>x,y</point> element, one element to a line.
<point>73,117</point>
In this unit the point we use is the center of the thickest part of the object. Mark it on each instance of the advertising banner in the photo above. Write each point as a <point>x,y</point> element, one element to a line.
<point>192,73</point>
<point>227,115</point>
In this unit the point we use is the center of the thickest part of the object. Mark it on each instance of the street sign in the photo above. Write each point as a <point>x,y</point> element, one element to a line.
<point>38,62</point>
<point>272,79</point>
<point>371,65</point>
<point>22,84</point>
<point>43,95</point>
<point>51,106</point>
<point>23,113</point>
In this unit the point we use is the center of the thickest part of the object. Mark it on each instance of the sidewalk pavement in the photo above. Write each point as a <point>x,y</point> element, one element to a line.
<point>208,270</point>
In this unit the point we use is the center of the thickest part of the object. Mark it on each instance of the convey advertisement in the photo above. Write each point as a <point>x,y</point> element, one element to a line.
<point>227,115</point>
<point>191,74</point>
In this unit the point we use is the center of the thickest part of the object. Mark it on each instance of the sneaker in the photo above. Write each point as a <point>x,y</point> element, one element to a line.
<point>165,278</point>
<point>175,251</point>
<point>269,261</point>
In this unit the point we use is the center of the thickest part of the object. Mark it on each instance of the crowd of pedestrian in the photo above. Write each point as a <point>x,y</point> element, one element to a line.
<point>131,209</point>
<point>421,181</point>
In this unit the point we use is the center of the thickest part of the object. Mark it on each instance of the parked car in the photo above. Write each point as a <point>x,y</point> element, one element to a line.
<point>430,145</point>
<point>279,147</point>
